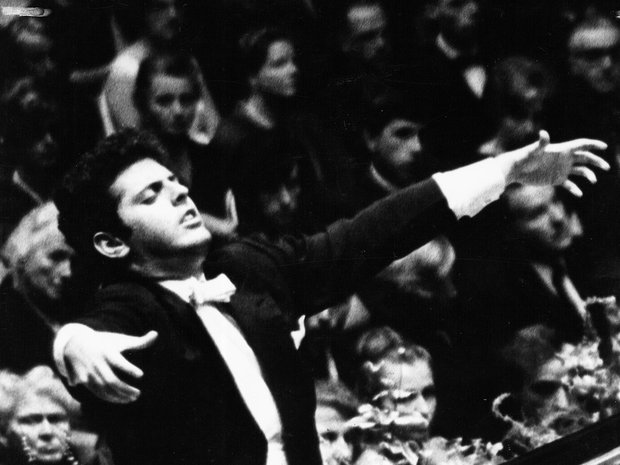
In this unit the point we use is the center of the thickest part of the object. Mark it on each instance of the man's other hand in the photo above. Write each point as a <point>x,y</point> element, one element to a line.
<point>92,357</point>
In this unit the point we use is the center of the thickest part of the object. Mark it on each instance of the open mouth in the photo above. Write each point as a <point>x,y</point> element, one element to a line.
<point>191,218</point>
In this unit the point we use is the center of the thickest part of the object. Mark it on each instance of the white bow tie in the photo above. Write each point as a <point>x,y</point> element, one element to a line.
<point>219,289</point>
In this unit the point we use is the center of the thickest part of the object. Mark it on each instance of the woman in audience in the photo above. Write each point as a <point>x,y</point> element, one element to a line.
<point>335,404</point>
<point>35,426</point>
<point>166,95</point>
<point>270,111</point>
<point>397,376</point>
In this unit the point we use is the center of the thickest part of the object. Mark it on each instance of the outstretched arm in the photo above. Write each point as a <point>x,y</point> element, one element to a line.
<point>88,357</point>
<point>358,247</point>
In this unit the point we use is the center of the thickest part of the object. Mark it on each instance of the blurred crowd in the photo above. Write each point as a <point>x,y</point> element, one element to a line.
<point>282,116</point>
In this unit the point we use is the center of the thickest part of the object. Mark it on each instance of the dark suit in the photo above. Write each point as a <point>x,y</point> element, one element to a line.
<point>25,337</point>
<point>190,410</point>
<point>458,122</point>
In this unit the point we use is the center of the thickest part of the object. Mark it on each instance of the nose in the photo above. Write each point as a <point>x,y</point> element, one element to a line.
<point>285,196</point>
<point>561,400</point>
<point>46,430</point>
<point>422,407</point>
<point>415,146</point>
<point>179,192</point>
<point>64,269</point>
<point>342,450</point>
<point>557,213</point>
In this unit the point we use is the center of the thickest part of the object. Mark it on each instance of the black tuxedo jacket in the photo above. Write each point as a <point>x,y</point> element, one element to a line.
<point>190,411</point>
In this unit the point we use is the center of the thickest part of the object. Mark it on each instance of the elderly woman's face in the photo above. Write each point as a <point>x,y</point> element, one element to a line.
<point>278,75</point>
<point>39,428</point>
<point>48,268</point>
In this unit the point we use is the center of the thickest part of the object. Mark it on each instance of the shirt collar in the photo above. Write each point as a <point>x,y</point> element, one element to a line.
<point>182,287</point>
<point>380,180</point>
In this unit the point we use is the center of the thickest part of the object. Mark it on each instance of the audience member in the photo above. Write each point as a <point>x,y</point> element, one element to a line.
<point>518,280</point>
<point>268,116</point>
<point>588,104</point>
<point>30,151</point>
<point>35,426</point>
<point>335,404</point>
<point>361,69</point>
<point>31,296</point>
<point>270,204</point>
<point>542,401</point>
<point>164,20</point>
<point>451,79</point>
<point>524,89</point>
<point>166,96</point>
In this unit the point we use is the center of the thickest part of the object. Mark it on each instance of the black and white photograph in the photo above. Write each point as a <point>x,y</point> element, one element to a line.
<point>309,232</point>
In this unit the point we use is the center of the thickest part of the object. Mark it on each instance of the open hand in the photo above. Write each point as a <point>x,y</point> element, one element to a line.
<point>91,358</point>
<point>543,163</point>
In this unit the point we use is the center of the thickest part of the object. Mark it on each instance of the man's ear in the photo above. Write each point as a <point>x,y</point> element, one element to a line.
<point>4,440</point>
<point>110,246</point>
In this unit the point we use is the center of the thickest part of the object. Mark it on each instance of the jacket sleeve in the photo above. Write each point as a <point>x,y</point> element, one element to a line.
<point>316,271</point>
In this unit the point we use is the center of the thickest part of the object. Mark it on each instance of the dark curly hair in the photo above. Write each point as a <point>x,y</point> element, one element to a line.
<point>83,198</point>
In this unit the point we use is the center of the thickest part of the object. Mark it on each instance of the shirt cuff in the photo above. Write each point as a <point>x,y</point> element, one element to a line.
<point>471,188</point>
<point>64,335</point>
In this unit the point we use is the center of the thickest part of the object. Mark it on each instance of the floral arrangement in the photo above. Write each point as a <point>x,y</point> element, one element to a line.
<point>402,440</point>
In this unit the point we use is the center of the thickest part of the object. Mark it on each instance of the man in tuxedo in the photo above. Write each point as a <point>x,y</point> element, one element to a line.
<point>450,80</point>
<point>222,382</point>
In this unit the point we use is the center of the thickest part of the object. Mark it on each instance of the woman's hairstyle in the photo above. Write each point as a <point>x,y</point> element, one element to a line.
<point>175,64</point>
<point>40,382</point>
<point>383,345</point>
<point>254,48</point>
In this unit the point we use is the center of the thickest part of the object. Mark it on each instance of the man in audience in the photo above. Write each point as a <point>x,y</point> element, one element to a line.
<point>450,79</point>
<point>361,70</point>
<point>517,280</point>
<point>588,105</point>
<point>33,296</point>
<point>137,221</point>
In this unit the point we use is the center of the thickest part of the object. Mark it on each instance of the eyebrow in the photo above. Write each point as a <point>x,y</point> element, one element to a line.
<point>155,185</point>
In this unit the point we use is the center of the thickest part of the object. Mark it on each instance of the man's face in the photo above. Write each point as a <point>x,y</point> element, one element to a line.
<point>367,40</point>
<point>280,207</point>
<point>547,392</point>
<point>278,75</point>
<point>40,425</point>
<point>330,426</point>
<point>459,20</point>
<point>172,103</point>
<point>594,57</point>
<point>396,150</point>
<point>47,269</point>
<point>163,220</point>
<point>164,19</point>
<point>541,219</point>
<point>413,388</point>
<point>38,150</point>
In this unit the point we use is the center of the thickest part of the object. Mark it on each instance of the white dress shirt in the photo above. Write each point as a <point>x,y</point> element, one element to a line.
<point>475,75</point>
<point>243,365</point>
